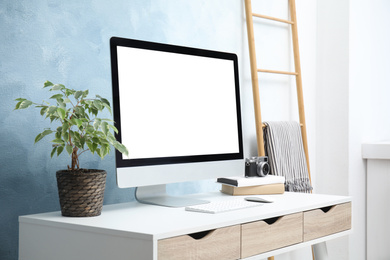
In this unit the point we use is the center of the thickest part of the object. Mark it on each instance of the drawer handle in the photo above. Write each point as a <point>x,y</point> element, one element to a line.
<point>271,221</point>
<point>201,235</point>
<point>327,209</point>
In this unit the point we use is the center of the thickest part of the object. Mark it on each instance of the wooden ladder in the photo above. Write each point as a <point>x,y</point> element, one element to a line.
<point>255,81</point>
<point>255,70</point>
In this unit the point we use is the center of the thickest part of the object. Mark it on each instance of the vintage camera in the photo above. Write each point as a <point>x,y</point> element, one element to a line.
<point>256,166</point>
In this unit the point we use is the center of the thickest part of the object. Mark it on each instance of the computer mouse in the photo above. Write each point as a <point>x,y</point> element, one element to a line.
<point>258,199</point>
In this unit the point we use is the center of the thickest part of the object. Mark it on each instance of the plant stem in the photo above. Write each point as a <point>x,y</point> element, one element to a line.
<point>75,159</point>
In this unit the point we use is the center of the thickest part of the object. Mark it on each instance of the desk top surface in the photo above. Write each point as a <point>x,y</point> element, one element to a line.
<point>155,222</point>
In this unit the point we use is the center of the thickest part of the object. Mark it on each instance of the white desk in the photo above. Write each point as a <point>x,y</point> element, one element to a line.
<point>137,231</point>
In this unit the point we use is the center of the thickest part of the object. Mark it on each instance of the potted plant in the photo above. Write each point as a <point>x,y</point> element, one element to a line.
<point>80,190</point>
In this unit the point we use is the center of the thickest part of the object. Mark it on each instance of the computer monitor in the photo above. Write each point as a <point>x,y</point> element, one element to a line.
<point>177,110</point>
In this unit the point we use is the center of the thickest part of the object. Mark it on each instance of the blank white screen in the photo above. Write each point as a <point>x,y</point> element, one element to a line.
<point>175,104</point>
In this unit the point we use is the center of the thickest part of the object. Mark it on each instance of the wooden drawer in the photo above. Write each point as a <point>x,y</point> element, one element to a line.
<point>223,243</point>
<point>269,234</point>
<point>326,221</point>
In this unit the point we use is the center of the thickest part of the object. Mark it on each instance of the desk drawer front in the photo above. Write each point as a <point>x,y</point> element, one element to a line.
<point>223,243</point>
<point>265,235</point>
<point>326,221</point>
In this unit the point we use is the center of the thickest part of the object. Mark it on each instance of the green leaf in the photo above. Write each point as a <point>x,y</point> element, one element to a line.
<point>85,93</point>
<point>113,128</point>
<point>97,123</point>
<point>47,131</point>
<point>111,138</point>
<point>98,152</point>
<point>69,92</point>
<point>94,111</point>
<point>79,111</point>
<point>53,151</point>
<point>72,121</point>
<point>82,142</point>
<point>65,135</point>
<point>89,129</point>
<point>76,121</point>
<point>104,127</point>
<point>65,127</point>
<point>108,107</point>
<point>20,101</point>
<point>92,146</point>
<point>23,104</point>
<point>61,112</point>
<point>78,94</point>
<point>58,134</point>
<point>52,110</point>
<point>121,148</point>
<point>57,96</point>
<point>69,149</point>
<point>57,87</point>
<point>105,149</point>
<point>58,141</point>
<point>60,149</point>
<point>103,140</point>
<point>98,104</point>
<point>61,103</point>
<point>43,134</point>
<point>79,122</point>
<point>105,101</point>
<point>47,84</point>
<point>64,132</point>
<point>43,110</point>
<point>77,135</point>
<point>72,134</point>
<point>38,137</point>
<point>18,105</point>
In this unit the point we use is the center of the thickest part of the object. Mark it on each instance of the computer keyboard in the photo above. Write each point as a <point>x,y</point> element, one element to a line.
<point>223,206</point>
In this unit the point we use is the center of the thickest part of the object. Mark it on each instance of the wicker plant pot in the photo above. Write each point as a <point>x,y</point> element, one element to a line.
<point>81,193</point>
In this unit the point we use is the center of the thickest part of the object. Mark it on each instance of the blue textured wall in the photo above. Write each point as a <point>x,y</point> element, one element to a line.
<point>68,42</point>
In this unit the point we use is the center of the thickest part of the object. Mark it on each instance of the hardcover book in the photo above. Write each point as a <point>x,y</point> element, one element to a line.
<point>277,188</point>
<point>241,181</point>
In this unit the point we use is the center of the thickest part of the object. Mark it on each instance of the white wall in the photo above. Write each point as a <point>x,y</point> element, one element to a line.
<point>332,106</point>
<point>368,103</point>
<point>332,97</point>
<point>353,63</point>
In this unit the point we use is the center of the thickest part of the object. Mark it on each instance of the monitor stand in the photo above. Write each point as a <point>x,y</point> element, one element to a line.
<point>157,195</point>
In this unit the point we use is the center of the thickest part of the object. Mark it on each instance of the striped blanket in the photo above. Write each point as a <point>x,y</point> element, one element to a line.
<point>284,148</point>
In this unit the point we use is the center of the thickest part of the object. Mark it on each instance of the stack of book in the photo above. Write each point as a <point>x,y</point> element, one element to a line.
<point>269,184</point>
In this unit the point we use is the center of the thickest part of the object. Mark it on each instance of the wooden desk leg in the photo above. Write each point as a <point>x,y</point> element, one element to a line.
<point>320,252</point>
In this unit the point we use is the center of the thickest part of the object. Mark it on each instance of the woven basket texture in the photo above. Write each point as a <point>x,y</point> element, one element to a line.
<point>81,193</point>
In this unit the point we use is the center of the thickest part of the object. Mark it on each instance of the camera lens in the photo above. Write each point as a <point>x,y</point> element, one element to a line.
<point>262,169</point>
<point>266,168</point>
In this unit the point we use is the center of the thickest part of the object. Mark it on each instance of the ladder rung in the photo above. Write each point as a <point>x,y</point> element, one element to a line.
<point>278,72</point>
<point>272,18</point>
